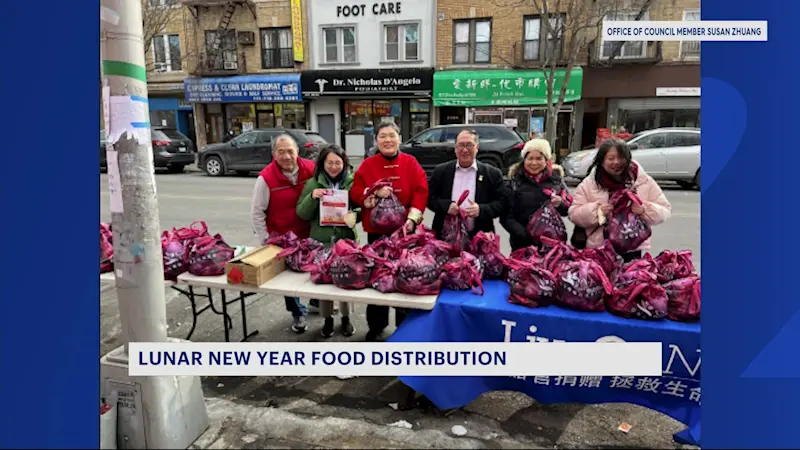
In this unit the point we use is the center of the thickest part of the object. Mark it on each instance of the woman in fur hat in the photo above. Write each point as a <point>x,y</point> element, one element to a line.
<point>530,177</point>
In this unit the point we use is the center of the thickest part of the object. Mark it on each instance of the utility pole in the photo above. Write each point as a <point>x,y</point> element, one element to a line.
<point>157,412</point>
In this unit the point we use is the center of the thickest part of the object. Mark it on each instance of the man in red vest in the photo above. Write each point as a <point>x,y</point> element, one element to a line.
<point>275,196</point>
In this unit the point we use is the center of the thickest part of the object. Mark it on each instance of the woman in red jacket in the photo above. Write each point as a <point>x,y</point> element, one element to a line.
<point>409,184</point>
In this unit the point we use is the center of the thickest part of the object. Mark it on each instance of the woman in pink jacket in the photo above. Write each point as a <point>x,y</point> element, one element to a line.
<point>614,169</point>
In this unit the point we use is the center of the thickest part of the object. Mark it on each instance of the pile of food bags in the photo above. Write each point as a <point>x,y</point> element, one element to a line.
<point>597,280</point>
<point>415,263</point>
<point>189,249</point>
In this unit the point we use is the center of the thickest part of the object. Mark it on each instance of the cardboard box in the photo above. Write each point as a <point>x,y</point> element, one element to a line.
<point>255,267</point>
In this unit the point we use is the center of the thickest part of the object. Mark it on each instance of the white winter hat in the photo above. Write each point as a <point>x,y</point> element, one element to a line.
<point>540,145</point>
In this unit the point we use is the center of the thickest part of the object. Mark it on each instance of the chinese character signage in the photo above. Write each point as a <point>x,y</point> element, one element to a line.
<point>388,82</point>
<point>246,89</point>
<point>297,30</point>
<point>502,87</point>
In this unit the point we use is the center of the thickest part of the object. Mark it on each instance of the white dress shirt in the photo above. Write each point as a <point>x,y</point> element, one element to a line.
<point>465,179</point>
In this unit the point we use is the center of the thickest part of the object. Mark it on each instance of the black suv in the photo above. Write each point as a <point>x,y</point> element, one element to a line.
<point>498,145</point>
<point>251,151</point>
<point>172,150</point>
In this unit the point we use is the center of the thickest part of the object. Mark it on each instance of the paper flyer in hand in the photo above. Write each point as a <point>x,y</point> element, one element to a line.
<point>333,208</point>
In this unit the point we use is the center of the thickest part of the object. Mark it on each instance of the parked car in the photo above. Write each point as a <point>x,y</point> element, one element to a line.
<point>171,149</point>
<point>666,154</point>
<point>251,151</point>
<point>499,145</point>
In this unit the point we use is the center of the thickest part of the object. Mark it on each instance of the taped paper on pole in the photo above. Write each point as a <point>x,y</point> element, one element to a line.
<point>128,115</point>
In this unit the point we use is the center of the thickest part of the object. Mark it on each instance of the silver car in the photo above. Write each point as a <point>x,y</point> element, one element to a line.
<point>666,154</point>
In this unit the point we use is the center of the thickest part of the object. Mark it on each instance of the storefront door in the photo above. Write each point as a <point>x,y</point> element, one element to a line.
<point>216,128</point>
<point>265,119</point>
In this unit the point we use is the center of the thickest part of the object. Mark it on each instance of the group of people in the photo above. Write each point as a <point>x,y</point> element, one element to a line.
<point>287,193</point>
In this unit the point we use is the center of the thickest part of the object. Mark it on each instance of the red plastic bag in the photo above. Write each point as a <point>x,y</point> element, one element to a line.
<point>301,255</point>
<point>558,253</point>
<point>284,241</point>
<point>646,262</point>
<point>418,273</point>
<point>440,250</point>
<point>208,255</point>
<point>638,294</point>
<point>683,299</point>
<point>352,266</point>
<point>604,255</point>
<point>530,285</point>
<point>176,245</point>
<point>582,285</point>
<point>383,278</point>
<point>674,265</point>
<point>626,231</point>
<point>454,229</point>
<point>387,247</point>
<point>320,267</point>
<point>388,214</point>
<point>530,254</point>
<point>463,273</point>
<point>547,222</point>
<point>106,248</point>
<point>486,246</point>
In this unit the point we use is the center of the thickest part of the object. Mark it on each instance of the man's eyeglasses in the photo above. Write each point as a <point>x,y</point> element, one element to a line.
<point>467,145</point>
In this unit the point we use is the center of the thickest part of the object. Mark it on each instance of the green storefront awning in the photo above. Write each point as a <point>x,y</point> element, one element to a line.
<point>501,87</point>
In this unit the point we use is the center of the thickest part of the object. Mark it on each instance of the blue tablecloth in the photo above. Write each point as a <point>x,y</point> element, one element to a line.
<point>467,317</point>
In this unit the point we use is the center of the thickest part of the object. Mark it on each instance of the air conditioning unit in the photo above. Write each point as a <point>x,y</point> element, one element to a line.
<point>230,65</point>
<point>247,37</point>
<point>161,67</point>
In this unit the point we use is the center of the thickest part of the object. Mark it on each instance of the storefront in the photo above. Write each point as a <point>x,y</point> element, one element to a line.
<point>671,107</point>
<point>639,97</point>
<point>244,103</point>
<point>168,108</point>
<point>516,98</point>
<point>345,102</point>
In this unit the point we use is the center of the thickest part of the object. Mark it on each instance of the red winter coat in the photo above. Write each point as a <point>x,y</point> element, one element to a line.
<point>283,196</point>
<point>409,182</point>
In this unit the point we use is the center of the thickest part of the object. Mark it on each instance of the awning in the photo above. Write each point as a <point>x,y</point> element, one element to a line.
<point>244,89</point>
<point>501,87</point>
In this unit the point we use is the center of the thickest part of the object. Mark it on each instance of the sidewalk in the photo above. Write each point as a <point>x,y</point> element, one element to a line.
<point>236,426</point>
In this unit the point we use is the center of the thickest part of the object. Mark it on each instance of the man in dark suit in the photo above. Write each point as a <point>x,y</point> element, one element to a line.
<point>487,189</point>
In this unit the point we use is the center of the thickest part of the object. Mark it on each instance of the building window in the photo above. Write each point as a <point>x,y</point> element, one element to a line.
<point>226,58</point>
<point>472,41</point>
<point>158,3</point>
<point>340,44</point>
<point>690,49</point>
<point>401,42</point>
<point>276,48</point>
<point>536,35</point>
<point>633,49</point>
<point>167,52</point>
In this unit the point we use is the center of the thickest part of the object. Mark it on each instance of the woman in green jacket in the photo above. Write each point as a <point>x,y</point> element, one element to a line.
<point>332,171</point>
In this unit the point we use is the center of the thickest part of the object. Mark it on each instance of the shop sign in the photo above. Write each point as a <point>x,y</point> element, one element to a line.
<point>678,92</point>
<point>502,87</point>
<point>246,89</point>
<point>297,30</point>
<point>376,9</point>
<point>317,83</point>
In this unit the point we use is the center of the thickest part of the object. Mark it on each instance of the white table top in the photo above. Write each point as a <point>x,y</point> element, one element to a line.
<point>294,284</point>
<point>286,283</point>
<point>110,278</point>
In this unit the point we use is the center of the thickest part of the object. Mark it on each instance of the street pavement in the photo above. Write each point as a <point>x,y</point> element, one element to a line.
<point>323,412</point>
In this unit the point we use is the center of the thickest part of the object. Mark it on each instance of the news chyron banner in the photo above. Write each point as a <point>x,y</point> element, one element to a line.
<point>687,30</point>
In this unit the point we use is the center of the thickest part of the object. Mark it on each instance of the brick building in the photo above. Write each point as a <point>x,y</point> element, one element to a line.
<point>489,57</point>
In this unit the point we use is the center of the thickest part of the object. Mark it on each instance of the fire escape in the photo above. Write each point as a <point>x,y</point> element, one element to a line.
<point>220,55</point>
